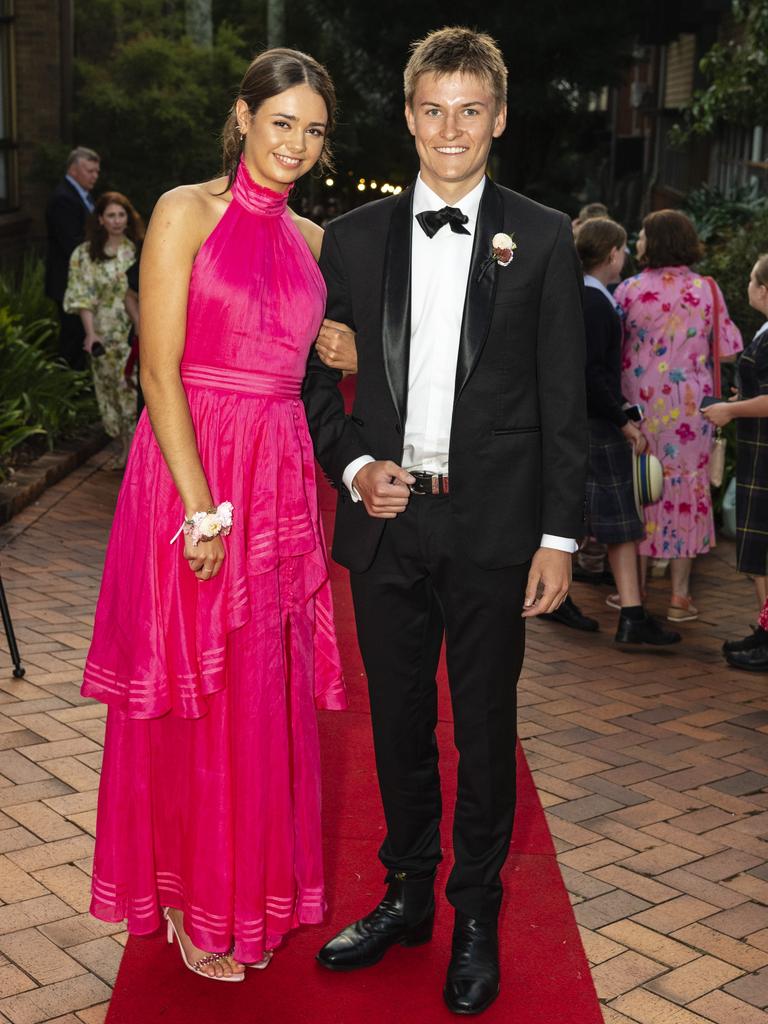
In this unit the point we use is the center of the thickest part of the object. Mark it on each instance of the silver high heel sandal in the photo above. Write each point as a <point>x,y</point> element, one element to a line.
<point>196,968</point>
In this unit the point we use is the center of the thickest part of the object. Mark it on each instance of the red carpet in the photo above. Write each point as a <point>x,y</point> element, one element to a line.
<point>545,977</point>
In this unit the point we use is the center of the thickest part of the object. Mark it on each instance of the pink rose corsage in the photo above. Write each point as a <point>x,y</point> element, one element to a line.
<point>207,525</point>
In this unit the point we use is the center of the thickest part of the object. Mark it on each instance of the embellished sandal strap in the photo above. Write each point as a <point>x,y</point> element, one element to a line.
<point>212,958</point>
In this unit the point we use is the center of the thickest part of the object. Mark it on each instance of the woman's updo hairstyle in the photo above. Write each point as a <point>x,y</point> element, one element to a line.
<point>269,74</point>
<point>596,239</point>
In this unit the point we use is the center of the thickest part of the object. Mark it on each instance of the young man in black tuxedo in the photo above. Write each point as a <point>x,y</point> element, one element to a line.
<point>65,215</point>
<point>461,487</point>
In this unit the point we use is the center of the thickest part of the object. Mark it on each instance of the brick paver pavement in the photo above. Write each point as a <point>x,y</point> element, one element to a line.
<point>653,767</point>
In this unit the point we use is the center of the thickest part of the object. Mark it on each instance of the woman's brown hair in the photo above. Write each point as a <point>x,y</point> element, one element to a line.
<point>761,269</point>
<point>595,240</point>
<point>670,240</point>
<point>96,234</point>
<point>269,74</point>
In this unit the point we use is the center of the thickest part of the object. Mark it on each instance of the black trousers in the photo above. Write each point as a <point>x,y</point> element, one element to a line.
<point>71,336</point>
<point>421,585</point>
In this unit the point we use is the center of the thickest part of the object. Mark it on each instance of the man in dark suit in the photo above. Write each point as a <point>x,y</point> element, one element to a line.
<point>461,487</point>
<point>65,217</point>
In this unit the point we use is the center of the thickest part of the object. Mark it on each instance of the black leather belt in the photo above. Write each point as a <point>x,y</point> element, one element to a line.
<point>435,484</point>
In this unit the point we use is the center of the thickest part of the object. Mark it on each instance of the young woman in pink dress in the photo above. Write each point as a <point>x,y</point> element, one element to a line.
<point>667,369</point>
<point>212,649</point>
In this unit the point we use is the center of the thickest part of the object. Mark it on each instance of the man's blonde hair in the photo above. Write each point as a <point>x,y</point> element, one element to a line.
<point>457,50</point>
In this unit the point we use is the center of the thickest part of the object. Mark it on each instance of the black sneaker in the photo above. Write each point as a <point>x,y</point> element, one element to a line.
<point>645,631</point>
<point>569,614</point>
<point>757,638</point>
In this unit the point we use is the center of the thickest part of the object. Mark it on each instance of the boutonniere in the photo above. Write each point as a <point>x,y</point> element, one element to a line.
<point>502,252</point>
<point>503,249</point>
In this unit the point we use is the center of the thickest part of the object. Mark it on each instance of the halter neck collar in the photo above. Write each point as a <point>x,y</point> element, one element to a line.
<point>257,198</point>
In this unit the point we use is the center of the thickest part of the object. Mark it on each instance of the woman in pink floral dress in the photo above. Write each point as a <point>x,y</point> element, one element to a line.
<point>667,369</point>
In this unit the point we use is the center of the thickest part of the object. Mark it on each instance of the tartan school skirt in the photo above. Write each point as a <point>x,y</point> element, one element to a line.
<point>752,499</point>
<point>611,513</point>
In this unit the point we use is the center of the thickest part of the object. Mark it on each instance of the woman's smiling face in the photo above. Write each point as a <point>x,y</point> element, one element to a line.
<point>285,137</point>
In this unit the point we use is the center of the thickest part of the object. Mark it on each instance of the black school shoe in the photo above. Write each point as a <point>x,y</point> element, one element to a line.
<point>755,659</point>
<point>569,614</point>
<point>757,638</point>
<point>645,631</point>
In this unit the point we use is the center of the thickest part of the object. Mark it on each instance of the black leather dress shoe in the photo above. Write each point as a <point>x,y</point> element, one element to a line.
<point>472,982</point>
<point>755,659</point>
<point>405,915</point>
<point>757,638</point>
<point>570,614</point>
<point>645,631</point>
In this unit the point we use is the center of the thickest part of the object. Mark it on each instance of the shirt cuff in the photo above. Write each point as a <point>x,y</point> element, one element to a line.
<point>548,540</point>
<point>351,472</point>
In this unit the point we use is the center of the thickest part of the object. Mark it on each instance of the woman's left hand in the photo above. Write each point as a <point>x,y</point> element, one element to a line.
<point>336,346</point>
<point>719,414</point>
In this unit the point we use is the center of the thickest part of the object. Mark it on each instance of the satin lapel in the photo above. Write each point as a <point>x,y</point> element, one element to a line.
<point>396,300</point>
<point>481,285</point>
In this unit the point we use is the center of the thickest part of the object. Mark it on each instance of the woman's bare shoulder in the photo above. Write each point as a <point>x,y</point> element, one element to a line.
<point>185,200</point>
<point>190,212</point>
<point>313,233</point>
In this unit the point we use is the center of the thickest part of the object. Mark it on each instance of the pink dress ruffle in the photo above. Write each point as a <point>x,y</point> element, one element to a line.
<point>209,797</point>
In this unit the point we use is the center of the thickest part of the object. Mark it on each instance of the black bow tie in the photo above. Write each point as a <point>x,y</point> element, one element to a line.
<point>432,220</point>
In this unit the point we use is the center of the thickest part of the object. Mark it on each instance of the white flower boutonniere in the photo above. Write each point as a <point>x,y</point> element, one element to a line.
<point>503,249</point>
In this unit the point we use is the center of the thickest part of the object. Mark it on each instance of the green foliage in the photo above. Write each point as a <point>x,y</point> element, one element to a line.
<point>737,73</point>
<point>730,258</point>
<point>22,292</point>
<point>154,111</point>
<point>39,394</point>
<point>717,215</point>
<point>53,399</point>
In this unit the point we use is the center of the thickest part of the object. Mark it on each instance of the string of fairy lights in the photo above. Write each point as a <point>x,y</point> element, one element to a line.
<point>364,184</point>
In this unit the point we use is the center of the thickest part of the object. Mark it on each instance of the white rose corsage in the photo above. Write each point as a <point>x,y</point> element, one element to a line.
<point>207,525</point>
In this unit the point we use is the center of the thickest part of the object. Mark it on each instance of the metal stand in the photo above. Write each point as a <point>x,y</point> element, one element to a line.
<point>13,647</point>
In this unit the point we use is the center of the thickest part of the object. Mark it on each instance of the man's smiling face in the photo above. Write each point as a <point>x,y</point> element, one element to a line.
<point>453,119</point>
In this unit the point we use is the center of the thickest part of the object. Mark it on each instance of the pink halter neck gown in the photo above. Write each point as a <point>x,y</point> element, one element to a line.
<point>210,789</point>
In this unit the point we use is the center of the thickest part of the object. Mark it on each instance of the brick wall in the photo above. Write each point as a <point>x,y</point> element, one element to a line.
<point>38,67</point>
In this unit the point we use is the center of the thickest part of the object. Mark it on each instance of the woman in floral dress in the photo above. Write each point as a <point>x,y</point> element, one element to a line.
<point>96,289</point>
<point>667,369</point>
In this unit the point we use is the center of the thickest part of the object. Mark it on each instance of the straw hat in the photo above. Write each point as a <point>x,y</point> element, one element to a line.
<point>648,480</point>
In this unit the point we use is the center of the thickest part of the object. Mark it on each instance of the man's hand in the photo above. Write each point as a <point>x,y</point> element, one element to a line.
<point>336,346</point>
<point>383,487</point>
<point>548,582</point>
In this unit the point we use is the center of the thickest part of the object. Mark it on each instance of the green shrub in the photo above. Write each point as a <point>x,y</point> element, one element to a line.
<point>39,394</point>
<point>54,399</point>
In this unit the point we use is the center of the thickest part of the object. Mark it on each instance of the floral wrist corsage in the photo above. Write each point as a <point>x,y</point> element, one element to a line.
<point>207,525</point>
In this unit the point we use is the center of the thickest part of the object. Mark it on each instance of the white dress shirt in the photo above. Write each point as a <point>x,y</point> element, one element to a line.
<point>439,274</point>
<point>84,194</point>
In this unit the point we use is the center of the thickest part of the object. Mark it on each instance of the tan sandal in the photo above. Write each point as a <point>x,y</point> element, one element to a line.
<point>681,609</point>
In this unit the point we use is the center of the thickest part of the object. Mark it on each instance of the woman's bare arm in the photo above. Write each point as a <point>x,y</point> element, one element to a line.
<point>180,222</point>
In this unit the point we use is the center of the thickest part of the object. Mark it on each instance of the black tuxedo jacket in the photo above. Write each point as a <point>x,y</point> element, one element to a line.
<point>65,217</point>
<point>517,457</point>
